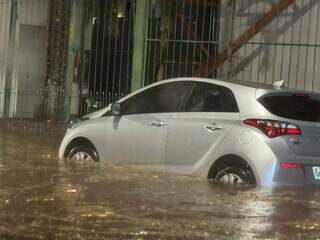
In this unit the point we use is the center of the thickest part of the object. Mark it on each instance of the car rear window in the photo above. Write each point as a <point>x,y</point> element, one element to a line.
<point>297,106</point>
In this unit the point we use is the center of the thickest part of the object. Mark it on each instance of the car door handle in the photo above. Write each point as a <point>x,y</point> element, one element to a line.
<point>157,124</point>
<point>212,127</point>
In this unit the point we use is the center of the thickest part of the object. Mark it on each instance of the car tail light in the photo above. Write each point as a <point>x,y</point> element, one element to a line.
<point>290,165</point>
<point>273,128</point>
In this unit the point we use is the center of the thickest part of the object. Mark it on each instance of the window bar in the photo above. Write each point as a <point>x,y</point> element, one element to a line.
<point>274,54</point>
<point>195,36</point>
<point>109,58</point>
<point>155,46</point>
<point>299,51</point>
<point>315,67</point>
<point>97,51</point>
<point>103,50</point>
<point>115,51</point>
<point>283,48</point>
<point>258,14</point>
<point>122,47</point>
<point>291,46</point>
<point>173,59</point>
<point>210,37</point>
<point>189,20</point>
<point>307,51</point>
<point>129,52</point>
<point>166,44</point>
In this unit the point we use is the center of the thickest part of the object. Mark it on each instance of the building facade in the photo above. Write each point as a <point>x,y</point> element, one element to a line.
<point>60,59</point>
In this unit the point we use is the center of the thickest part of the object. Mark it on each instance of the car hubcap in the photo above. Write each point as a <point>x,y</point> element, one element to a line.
<point>82,156</point>
<point>231,178</point>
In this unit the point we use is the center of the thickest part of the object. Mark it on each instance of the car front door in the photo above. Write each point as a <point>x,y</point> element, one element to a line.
<point>194,133</point>
<point>139,134</point>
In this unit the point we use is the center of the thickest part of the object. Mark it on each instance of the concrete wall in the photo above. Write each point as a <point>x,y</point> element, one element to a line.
<point>34,12</point>
<point>32,73</point>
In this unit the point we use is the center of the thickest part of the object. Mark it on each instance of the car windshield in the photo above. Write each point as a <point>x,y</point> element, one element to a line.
<point>297,106</point>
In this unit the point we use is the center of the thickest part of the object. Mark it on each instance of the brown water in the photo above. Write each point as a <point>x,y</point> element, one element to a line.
<point>44,198</point>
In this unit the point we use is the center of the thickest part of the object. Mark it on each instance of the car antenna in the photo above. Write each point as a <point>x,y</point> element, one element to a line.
<point>279,84</point>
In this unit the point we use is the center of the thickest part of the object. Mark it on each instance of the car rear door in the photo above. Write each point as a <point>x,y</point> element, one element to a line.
<point>139,135</point>
<point>197,130</point>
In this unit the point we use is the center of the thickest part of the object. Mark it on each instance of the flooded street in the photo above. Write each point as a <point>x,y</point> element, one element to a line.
<point>45,198</point>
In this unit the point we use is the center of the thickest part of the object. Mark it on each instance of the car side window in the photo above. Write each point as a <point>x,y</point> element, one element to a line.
<point>207,97</point>
<point>164,98</point>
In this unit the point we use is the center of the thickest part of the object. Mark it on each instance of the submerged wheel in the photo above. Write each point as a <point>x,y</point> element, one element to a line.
<point>233,174</point>
<point>83,153</point>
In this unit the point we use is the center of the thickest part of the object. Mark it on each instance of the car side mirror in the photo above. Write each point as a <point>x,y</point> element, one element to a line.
<point>116,109</point>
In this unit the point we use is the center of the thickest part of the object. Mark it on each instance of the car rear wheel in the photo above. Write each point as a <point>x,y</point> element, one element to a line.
<point>83,153</point>
<point>233,175</point>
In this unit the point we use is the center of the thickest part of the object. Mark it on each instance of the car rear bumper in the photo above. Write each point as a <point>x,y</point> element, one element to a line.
<point>296,176</point>
<point>301,174</point>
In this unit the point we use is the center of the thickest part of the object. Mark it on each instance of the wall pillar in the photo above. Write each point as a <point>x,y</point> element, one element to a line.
<point>227,18</point>
<point>139,46</point>
<point>73,72</point>
<point>10,63</point>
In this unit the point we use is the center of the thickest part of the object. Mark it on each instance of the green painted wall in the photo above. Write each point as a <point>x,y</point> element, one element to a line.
<point>9,70</point>
<point>75,34</point>
<point>139,47</point>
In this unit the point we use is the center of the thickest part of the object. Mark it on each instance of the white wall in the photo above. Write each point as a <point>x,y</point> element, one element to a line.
<point>34,12</point>
<point>32,17</point>
<point>5,8</point>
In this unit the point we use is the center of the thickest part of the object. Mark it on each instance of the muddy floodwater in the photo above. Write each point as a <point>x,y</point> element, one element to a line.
<point>42,197</point>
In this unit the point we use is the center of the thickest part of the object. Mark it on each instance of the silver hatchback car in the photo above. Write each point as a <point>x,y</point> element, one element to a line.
<point>227,132</point>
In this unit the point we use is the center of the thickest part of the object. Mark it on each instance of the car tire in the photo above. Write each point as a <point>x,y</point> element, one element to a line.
<point>233,175</point>
<point>83,153</point>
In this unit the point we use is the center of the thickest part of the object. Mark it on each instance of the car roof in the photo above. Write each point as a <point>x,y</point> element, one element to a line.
<point>236,86</point>
<point>245,92</point>
<point>229,83</point>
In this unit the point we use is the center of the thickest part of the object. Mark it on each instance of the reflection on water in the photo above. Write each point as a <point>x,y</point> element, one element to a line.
<point>44,198</point>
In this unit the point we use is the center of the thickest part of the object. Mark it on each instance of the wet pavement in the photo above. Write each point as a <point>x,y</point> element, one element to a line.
<point>45,198</point>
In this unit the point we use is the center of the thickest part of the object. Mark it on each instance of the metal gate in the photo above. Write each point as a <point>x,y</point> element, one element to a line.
<point>181,35</point>
<point>247,40</point>
<point>107,53</point>
<point>283,43</point>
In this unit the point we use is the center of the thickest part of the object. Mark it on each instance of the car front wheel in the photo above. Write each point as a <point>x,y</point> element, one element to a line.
<point>83,153</point>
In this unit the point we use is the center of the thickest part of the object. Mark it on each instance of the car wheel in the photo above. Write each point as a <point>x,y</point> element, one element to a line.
<point>233,175</point>
<point>83,153</point>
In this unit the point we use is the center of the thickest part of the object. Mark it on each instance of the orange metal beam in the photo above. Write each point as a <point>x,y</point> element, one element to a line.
<point>209,66</point>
